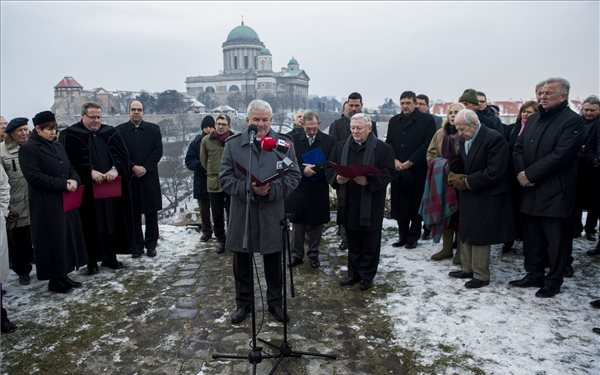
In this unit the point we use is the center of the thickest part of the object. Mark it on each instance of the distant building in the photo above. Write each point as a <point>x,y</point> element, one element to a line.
<point>248,74</point>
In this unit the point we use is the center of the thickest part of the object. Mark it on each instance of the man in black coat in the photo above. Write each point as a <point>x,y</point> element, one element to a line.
<point>339,130</point>
<point>99,155</point>
<point>484,184</point>
<point>144,143</point>
<point>545,158</point>
<point>192,162</point>
<point>309,203</point>
<point>409,135</point>
<point>361,199</point>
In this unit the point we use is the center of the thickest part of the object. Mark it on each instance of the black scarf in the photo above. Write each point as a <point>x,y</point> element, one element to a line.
<point>365,195</point>
<point>546,113</point>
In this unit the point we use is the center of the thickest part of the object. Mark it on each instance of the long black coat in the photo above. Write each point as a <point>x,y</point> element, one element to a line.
<point>144,144</point>
<point>309,203</point>
<point>409,136</point>
<point>57,236</point>
<point>588,179</point>
<point>76,139</point>
<point>547,152</point>
<point>485,208</point>
<point>192,162</point>
<point>377,185</point>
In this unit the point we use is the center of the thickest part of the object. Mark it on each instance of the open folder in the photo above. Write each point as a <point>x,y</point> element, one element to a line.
<point>265,176</point>
<point>355,170</point>
<point>107,189</point>
<point>72,200</point>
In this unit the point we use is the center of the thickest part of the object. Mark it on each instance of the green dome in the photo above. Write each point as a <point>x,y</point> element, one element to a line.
<point>264,52</point>
<point>293,61</point>
<point>242,33</point>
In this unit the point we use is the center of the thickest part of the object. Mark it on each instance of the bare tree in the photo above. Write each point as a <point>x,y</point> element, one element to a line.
<point>176,180</point>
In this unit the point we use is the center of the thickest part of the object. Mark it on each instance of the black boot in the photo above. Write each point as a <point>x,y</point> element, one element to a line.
<point>59,286</point>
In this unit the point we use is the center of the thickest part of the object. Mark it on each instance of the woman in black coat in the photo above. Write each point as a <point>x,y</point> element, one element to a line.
<point>56,235</point>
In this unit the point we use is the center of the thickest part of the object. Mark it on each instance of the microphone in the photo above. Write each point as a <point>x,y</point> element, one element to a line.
<point>252,130</point>
<point>270,145</point>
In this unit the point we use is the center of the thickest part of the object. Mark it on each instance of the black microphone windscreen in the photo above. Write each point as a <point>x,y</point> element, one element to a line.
<point>252,128</point>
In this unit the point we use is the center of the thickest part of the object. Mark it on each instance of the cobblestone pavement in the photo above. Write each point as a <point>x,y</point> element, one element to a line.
<point>170,315</point>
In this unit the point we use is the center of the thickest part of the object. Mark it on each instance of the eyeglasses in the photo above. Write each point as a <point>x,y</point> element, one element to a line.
<point>93,117</point>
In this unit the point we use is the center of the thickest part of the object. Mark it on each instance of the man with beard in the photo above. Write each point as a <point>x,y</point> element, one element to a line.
<point>144,143</point>
<point>339,130</point>
<point>545,158</point>
<point>361,199</point>
<point>409,135</point>
<point>99,156</point>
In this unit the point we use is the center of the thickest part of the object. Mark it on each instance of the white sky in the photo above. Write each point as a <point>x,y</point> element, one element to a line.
<point>377,48</point>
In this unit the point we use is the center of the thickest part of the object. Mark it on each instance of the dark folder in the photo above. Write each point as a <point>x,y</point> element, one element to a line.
<point>72,200</point>
<point>355,170</point>
<point>264,178</point>
<point>107,189</point>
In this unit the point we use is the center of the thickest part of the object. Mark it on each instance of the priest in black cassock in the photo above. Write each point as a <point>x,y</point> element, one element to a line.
<point>99,155</point>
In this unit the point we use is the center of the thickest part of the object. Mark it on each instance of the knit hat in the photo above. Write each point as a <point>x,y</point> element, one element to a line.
<point>16,123</point>
<point>469,96</point>
<point>43,117</point>
<point>207,122</point>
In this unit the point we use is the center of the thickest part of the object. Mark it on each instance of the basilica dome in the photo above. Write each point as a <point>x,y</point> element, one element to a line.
<point>242,33</point>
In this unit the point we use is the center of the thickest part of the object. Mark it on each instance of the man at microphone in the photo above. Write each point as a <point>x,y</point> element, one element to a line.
<point>266,207</point>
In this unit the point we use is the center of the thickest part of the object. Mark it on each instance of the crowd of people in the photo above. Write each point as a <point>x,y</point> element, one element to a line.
<point>534,177</point>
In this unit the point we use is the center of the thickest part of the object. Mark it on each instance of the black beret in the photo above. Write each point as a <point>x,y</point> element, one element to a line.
<point>16,123</point>
<point>43,117</point>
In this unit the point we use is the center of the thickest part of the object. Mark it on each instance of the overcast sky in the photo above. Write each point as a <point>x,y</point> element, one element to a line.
<point>377,48</point>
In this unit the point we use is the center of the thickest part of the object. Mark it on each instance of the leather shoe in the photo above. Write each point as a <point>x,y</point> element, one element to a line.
<point>476,283</point>
<point>460,274</point>
<point>314,262</point>
<point>546,292</point>
<point>72,283</point>
<point>113,264</point>
<point>594,252</point>
<point>240,314</point>
<point>568,271</point>
<point>8,326</point>
<point>348,281</point>
<point>278,314</point>
<point>527,282</point>
<point>151,252</point>
<point>366,284</point>
<point>295,262</point>
<point>205,237</point>
<point>92,269</point>
<point>411,245</point>
<point>595,304</point>
<point>24,279</point>
<point>58,286</point>
<point>401,242</point>
<point>220,247</point>
<point>426,235</point>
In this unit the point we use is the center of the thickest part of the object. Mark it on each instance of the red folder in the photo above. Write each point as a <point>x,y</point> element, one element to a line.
<point>267,177</point>
<point>72,200</point>
<point>107,189</point>
<point>355,170</point>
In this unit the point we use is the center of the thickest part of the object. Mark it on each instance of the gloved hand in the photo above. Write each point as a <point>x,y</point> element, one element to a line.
<point>458,181</point>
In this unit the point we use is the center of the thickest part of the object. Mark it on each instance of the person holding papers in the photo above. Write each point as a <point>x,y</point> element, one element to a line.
<point>56,235</point>
<point>309,203</point>
<point>99,155</point>
<point>361,200</point>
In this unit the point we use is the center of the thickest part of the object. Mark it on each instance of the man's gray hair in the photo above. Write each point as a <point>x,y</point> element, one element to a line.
<point>592,99</point>
<point>366,119</point>
<point>539,84</point>
<point>258,105</point>
<point>311,115</point>
<point>564,85</point>
<point>468,115</point>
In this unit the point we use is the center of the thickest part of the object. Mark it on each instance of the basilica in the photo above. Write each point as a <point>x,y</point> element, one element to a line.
<point>248,74</point>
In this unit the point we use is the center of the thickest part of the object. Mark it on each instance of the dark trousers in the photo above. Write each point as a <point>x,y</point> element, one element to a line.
<point>244,280</point>
<point>545,236</point>
<point>3,313</point>
<point>204,205</point>
<point>363,253</point>
<point>20,250</point>
<point>591,221</point>
<point>150,237</point>
<point>219,205</point>
<point>410,229</point>
<point>299,232</point>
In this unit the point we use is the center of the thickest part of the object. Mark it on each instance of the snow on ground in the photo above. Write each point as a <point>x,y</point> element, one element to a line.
<point>505,330</point>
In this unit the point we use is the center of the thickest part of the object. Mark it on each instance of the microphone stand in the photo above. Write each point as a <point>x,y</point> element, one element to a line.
<point>285,349</point>
<point>255,356</point>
